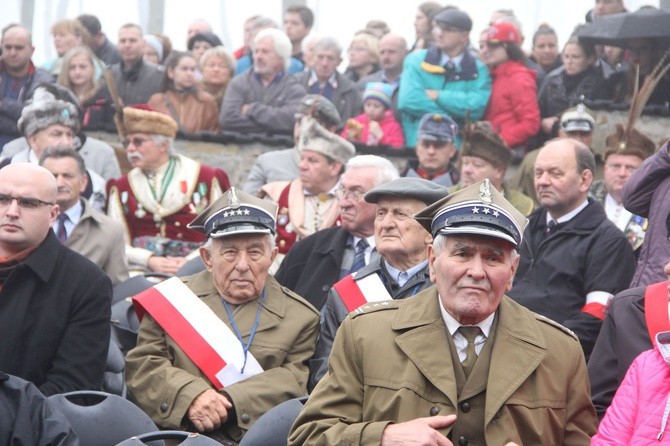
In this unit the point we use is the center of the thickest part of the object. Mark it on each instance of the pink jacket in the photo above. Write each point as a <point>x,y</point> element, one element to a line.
<point>640,409</point>
<point>392,130</point>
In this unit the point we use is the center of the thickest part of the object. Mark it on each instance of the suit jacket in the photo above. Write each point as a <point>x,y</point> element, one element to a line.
<point>313,264</point>
<point>164,381</point>
<point>391,363</point>
<point>100,239</point>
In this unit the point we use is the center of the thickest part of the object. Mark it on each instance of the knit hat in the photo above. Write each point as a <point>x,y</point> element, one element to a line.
<point>204,36</point>
<point>156,44</point>
<point>503,32</point>
<point>482,141</point>
<point>316,138</point>
<point>44,111</point>
<point>141,118</point>
<point>635,143</point>
<point>380,91</point>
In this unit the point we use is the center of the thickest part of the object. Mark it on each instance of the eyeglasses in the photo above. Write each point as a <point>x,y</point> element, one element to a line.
<point>23,202</point>
<point>352,195</point>
<point>135,141</point>
<point>615,167</point>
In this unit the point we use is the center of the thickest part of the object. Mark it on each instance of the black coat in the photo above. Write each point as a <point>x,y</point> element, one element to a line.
<point>622,338</point>
<point>55,320</point>
<point>28,418</point>
<point>313,265</point>
<point>557,271</point>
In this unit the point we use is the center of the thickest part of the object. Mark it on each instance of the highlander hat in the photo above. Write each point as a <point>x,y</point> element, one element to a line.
<point>408,187</point>
<point>143,118</point>
<point>46,110</point>
<point>236,212</point>
<point>475,210</point>
<point>316,138</point>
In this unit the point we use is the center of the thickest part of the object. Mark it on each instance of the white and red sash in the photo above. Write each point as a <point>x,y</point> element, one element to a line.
<point>206,339</point>
<point>355,293</point>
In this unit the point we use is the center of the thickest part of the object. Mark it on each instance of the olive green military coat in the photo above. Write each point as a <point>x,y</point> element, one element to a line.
<point>391,362</point>
<point>163,381</point>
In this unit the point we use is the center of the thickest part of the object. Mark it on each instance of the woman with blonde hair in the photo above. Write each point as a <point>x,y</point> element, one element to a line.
<point>217,66</point>
<point>67,34</point>
<point>79,76</point>
<point>363,56</point>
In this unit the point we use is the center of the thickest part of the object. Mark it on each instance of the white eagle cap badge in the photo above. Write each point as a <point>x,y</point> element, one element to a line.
<point>233,201</point>
<point>485,194</point>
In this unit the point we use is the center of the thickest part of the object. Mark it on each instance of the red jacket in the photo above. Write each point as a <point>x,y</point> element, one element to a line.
<point>513,109</point>
<point>392,130</point>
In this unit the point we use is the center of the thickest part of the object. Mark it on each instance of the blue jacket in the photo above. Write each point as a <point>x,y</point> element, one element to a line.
<point>466,89</point>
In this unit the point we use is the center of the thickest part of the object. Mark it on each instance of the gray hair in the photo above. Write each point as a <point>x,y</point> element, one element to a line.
<point>160,139</point>
<point>387,171</point>
<point>328,44</point>
<point>59,152</point>
<point>282,43</point>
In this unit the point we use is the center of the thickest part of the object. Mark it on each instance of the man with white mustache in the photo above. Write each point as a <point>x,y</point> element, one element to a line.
<point>573,259</point>
<point>161,194</point>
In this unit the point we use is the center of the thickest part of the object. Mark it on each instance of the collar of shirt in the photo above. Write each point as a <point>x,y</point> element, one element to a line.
<point>444,58</point>
<point>276,78</point>
<point>332,80</point>
<point>395,83</point>
<point>32,157</point>
<point>459,340</point>
<point>570,215</point>
<point>402,277</point>
<point>74,213</point>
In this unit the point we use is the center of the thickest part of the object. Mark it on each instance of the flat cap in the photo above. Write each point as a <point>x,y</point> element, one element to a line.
<point>236,212</point>
<point>408,187</point>
<point>476,210</point>
<point>316,138</point>
<point>143,118</point>
<point>437,127</point>
<point>454,18</point>
<point>320,108</point>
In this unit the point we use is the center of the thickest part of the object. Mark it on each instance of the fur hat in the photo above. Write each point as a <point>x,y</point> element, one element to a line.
<point>143,119</point>
<point>638,143</point>
<point>316,138</point>
<point>480,140</point>
<point>44,111</point>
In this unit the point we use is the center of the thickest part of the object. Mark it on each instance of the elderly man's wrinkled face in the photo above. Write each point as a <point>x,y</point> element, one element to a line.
<point>399,238</point>
<point>52,136</point>
<point>317,172</point>
<point>472,273</point>
<point>144,152</point>
<point>267,63</point>
<point>239,265</point>
<point>27,209</point>
<point>357,214</point>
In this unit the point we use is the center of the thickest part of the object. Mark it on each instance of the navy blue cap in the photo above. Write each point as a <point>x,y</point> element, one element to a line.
<point>437,127</point>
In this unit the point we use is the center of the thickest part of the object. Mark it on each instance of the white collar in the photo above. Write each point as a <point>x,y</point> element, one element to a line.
<point>453,325</point>
<point>570,215</point>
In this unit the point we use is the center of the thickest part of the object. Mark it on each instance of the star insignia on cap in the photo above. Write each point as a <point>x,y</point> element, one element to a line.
<point>239,212</point>
<point>487,211</point>
<point>475,210</point>
<point>496,214</point>
<point>225,214</point>
<point>246,212</point>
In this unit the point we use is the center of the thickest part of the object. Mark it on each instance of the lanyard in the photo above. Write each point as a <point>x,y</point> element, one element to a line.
<point>245,348</point>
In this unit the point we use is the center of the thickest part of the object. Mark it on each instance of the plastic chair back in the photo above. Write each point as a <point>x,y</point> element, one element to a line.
<point>155,438</point>
<point>273,427</point>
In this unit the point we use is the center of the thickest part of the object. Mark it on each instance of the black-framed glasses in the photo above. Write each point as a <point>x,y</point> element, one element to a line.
<point>24,202</point>
<point>135,141</point>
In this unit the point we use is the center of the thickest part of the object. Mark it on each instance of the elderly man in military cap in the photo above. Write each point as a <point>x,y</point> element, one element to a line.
<point>435,149</point>
<point>459,362</point>
<point>400,271</point>
<point>308,204</point>
<point>445,78</point>
<point>484,154</point>
<point>161,194</point>
<point>219,349</point>
<point>282,165</point>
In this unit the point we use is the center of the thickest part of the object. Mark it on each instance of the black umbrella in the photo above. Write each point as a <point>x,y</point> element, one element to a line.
<point>619,29</point>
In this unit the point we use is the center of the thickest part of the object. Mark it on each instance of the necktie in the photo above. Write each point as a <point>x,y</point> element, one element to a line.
<point>551,227</point>
<point>470,333</point>
<point>449,67</point>
<point>62,233</point>
<point>359,257</point>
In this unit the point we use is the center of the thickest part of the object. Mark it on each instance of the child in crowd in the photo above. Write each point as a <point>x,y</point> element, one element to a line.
<point>376,125</point>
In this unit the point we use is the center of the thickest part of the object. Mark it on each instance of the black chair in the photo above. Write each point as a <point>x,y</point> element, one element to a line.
<point>100,418</point>
<point>152,438</point>
<point>125,325</point>
<point>136,284</point>
<point>113,380</point>
<point>273,427</point>
<point>193,266</point>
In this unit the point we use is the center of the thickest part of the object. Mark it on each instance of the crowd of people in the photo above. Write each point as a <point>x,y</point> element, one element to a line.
<point>450,300</point>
